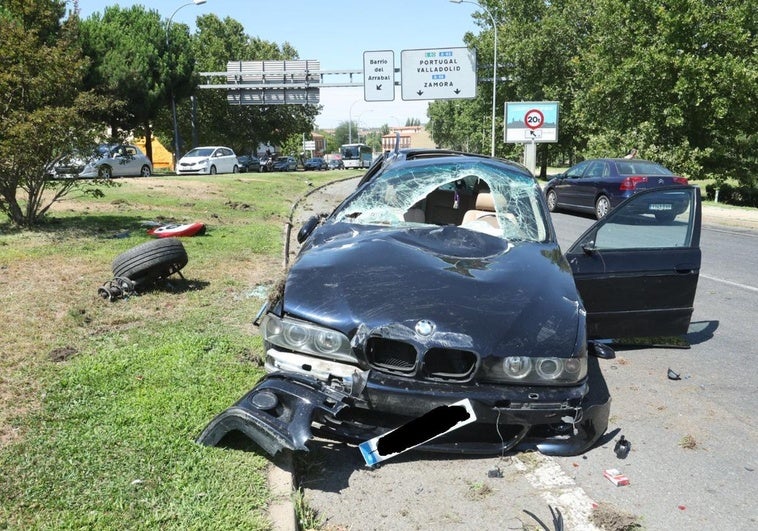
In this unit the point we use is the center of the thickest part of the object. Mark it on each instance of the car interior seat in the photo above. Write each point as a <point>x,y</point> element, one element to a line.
<point>484,210</point>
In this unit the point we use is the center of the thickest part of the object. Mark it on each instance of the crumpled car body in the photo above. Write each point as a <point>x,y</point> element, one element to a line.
<point>436,281</point>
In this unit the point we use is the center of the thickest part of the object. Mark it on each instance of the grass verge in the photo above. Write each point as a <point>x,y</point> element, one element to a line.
<point>100,402</point>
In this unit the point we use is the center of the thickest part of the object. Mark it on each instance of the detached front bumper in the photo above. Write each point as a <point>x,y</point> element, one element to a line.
<point>280,411</point>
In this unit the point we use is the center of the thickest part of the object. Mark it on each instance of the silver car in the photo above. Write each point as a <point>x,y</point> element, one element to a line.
<point>208,160</point>
<point>117,160</point>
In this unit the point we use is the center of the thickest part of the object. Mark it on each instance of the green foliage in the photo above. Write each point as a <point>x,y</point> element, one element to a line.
<point>346,133</point>
<point>330,141</point>
<point>292,146</point>
<point>743,195</point>
<point>138,61</point>
<point>674,79</point>
<point>43,113</point>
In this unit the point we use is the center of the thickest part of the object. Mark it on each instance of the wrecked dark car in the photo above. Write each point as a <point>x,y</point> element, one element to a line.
<point>439,281</point>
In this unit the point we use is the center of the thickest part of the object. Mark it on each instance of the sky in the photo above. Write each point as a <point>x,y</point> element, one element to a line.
<point>336,33</point>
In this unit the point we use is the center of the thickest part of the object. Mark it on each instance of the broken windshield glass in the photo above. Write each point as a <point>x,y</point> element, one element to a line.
<point>477,195</point>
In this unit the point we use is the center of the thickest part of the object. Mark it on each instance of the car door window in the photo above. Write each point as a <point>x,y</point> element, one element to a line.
<point>577,171</point>
<point>644,227</point>
<point>596,169</point>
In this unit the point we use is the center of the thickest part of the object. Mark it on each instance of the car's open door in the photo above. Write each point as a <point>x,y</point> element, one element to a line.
<point>637,269</point>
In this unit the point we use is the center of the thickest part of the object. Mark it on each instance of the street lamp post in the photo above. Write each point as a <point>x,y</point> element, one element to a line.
<point>494,64</point>
<point>173,101</point>
<point>350,122</point>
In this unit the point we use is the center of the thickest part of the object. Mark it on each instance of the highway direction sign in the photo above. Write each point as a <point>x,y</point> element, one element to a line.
<point>438,74</point>
<point>379,75</point>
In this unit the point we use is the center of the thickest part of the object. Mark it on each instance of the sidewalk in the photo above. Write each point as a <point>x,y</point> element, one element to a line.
<point>743,217</point>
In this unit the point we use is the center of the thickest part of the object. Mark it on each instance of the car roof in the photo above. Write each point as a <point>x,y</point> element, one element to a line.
<point>398,156</point>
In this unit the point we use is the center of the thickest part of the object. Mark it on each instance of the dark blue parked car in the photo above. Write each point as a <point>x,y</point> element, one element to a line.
<point>249,163</point>
<point>315,163</point>
<point>598,185</point>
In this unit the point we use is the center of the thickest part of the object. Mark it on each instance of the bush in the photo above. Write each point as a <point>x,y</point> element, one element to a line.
<point>733,195</point>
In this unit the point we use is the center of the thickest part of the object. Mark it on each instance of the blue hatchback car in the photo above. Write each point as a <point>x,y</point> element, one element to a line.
<point>596,186</point>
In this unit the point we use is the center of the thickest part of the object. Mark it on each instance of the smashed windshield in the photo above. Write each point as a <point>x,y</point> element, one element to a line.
<point>478,195</point>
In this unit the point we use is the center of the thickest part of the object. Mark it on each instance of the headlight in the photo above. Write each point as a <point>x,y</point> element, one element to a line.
<point>517,366</point>
<point>306,338</point>
<point>523,369</point>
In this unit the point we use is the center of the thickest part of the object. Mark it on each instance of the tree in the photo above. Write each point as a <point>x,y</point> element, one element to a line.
<point>138,61</point>
<point>677,80</point>
<point>43,113</point>
<point>674,78</point>
<point>346,132</point>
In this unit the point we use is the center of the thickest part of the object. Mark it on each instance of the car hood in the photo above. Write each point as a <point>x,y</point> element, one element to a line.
<point>488,294</point>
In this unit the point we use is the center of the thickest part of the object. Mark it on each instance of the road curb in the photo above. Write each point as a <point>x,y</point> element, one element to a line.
<point>281,509</point>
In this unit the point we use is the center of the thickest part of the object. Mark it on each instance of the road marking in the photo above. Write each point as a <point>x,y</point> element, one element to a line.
<point>559,490</point>
<point>735,284</point>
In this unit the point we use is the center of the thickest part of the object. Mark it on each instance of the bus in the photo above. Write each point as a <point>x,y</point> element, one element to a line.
<point>356,155</point>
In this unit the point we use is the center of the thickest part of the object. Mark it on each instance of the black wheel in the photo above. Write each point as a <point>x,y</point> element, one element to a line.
<point>552,200</point>
<point>151,261</point>
<point>602,207</point>
<point>145,171</point>
<point>213,170</point>
<point>235,169</point>
<point>105,172</point>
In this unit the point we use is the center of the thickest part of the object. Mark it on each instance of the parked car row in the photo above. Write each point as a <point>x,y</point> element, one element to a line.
<point>128,160</point>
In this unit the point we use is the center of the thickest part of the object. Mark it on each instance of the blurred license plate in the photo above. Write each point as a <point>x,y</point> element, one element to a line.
<point>659,206</point>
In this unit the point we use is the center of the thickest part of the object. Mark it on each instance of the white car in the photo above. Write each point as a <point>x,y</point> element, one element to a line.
<point>208,160</point>
<point>117,160</point>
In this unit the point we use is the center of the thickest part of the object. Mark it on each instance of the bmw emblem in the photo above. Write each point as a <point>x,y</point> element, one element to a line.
<point>425,328</point>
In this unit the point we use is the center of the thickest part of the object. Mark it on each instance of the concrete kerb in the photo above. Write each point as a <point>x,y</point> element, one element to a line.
<point>281,509</point>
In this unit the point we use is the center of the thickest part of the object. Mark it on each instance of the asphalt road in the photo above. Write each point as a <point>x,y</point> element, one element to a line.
<point>692,463</point>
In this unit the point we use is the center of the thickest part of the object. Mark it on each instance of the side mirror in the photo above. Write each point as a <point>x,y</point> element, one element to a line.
<point>600,350</point>
<point>307,228</point>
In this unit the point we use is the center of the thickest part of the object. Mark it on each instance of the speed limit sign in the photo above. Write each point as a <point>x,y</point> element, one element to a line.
<point>534,119</point>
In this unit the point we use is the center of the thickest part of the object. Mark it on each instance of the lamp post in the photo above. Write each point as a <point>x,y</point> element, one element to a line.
<point>350,122</point>
<point>494,64</point>
<point>173,101</point>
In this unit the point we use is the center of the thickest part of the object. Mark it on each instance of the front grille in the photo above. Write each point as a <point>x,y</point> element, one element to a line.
<point>391,356</point>
<point>449,364</point>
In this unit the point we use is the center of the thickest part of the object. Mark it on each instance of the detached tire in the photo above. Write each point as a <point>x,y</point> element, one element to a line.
<point>151,261</point>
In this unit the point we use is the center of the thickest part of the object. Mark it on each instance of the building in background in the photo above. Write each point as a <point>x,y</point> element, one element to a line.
<point>411,136</point>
